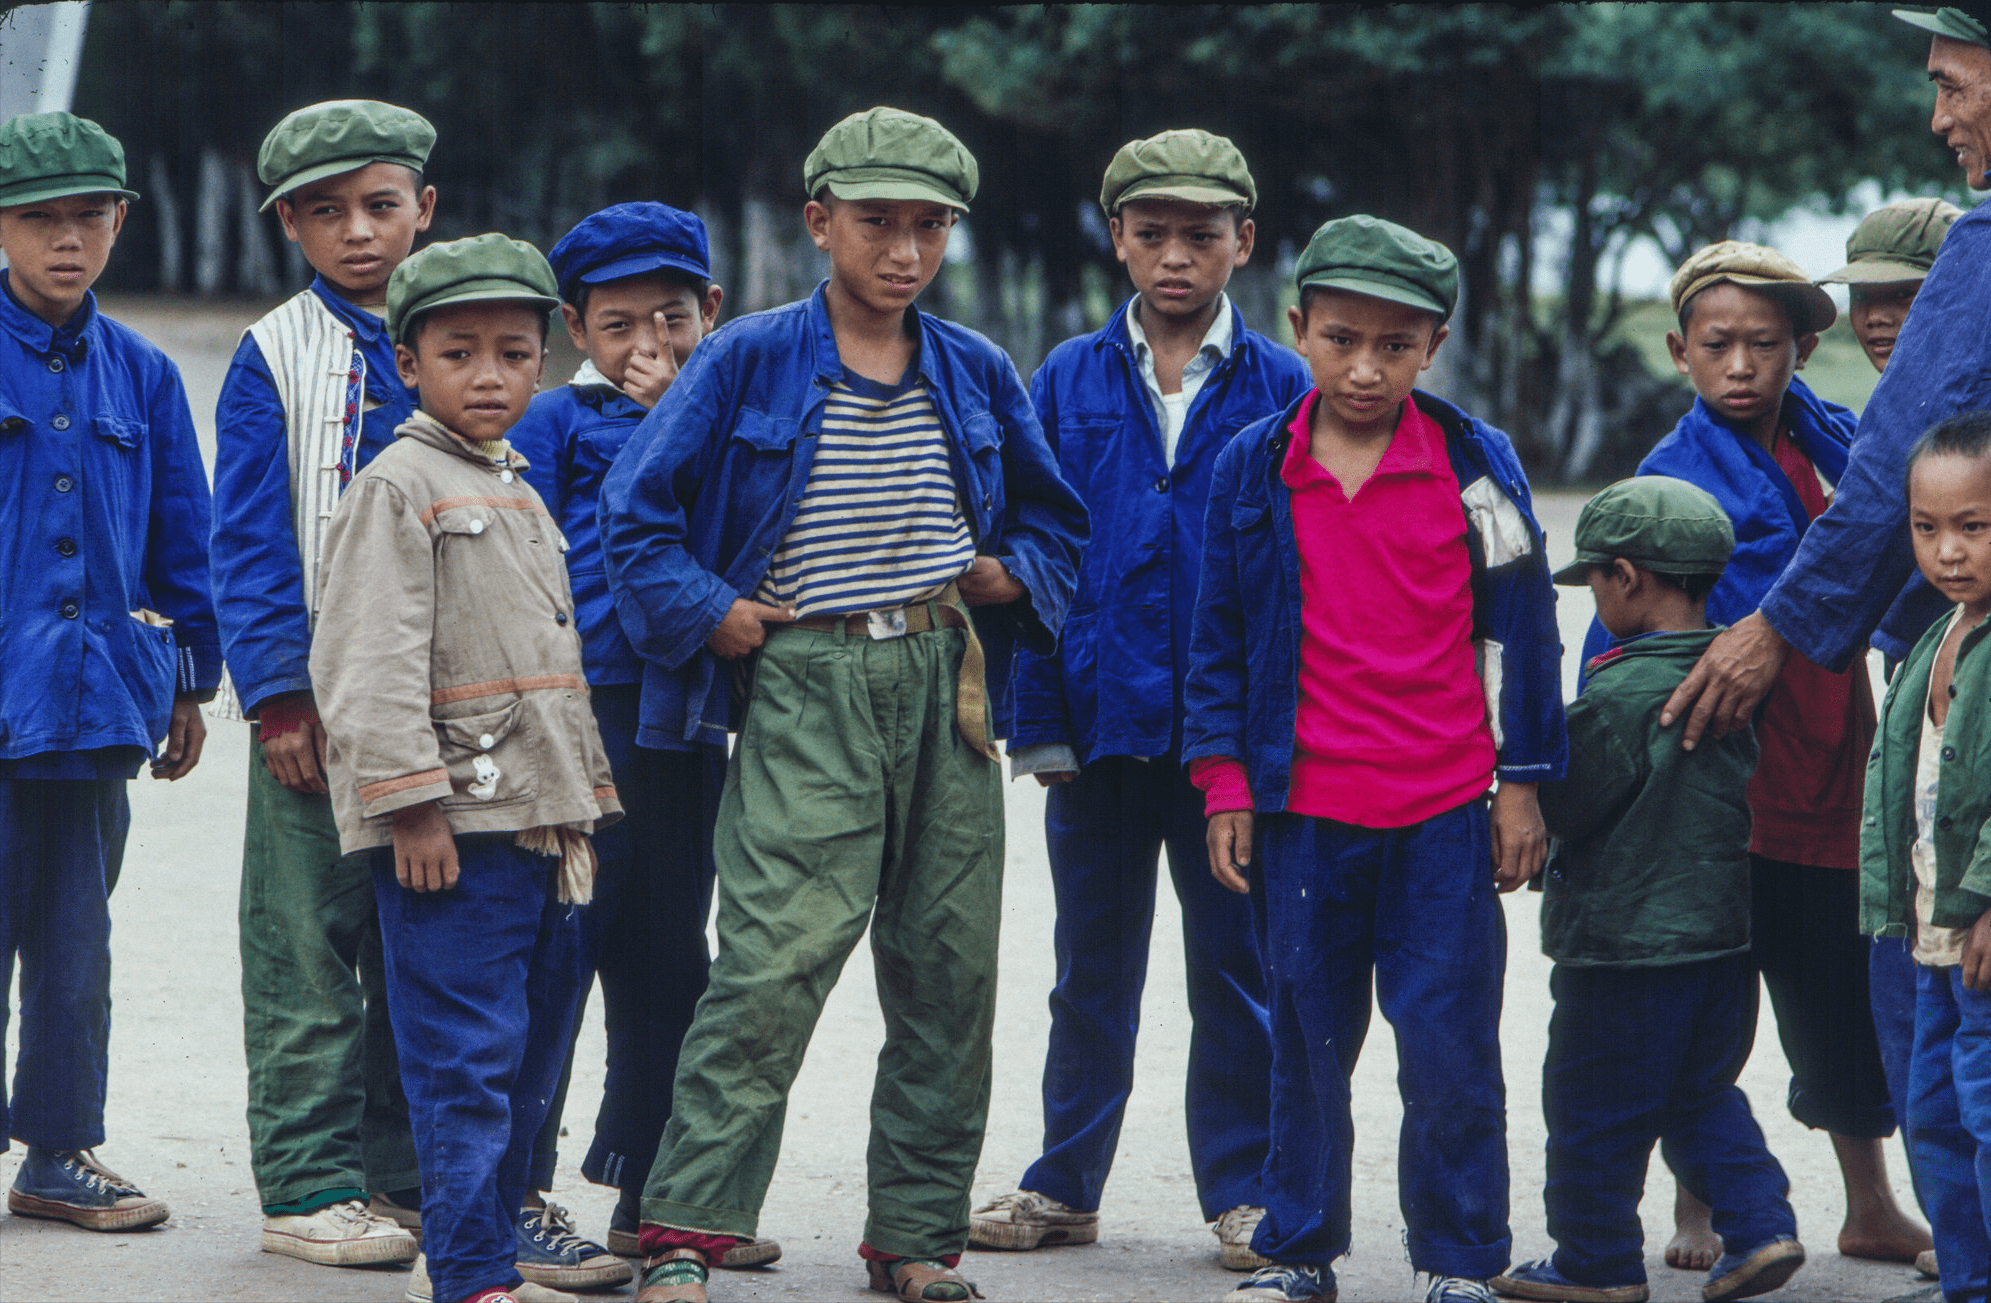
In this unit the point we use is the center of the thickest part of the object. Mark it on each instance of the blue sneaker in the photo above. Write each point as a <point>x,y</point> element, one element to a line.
<point>1282,1284</point>
<point>70,1185</point>
<point>1754,1271</point>
<point>550,1253</point>
<point>1538,1279</point>
<point>1458,1289</point>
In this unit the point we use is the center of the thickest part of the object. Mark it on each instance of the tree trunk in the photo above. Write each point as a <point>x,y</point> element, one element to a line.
<point>211,214</point>
<point>167,207</point>
<point>255,269</point>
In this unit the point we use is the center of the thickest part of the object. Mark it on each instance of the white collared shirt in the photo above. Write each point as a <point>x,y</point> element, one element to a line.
<point>1172,409</point>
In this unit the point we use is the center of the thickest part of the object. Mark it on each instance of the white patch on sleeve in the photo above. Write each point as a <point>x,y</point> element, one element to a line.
<point>1503,530</point>
<point>1487,656</point>
<point>487,773</point>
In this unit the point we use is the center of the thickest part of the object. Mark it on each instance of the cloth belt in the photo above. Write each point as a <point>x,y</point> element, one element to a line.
<point>946,611</point>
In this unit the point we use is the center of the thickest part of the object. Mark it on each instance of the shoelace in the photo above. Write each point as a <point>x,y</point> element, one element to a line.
<point>1023,1201</point>
<point>555,1228</point>
<point>1240,1221</point>
<point>82,1165</point>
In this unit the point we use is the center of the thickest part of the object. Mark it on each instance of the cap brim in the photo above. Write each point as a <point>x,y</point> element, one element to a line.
<point>319,171</point>
<point>913,190</point>
<point>1377,290</point>
<point>31,193</point>
<point>1872,271</point>
<point>487,291</point>
<point>1940,26</point>
<point>1211,196</point>
<point>1577,573</point>
<point>1816,302</point>
<point>641,263</point>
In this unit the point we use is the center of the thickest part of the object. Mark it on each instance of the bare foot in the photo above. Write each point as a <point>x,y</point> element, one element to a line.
<point>1694,1246</point>
<point>1884,1238</point>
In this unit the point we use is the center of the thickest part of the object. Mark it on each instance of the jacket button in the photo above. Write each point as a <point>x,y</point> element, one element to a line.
<point>1944,823</point>
<point>1161,485</point>
<point>63,484</point>
<point>504,477</point>
<point>70,610</point>
<point>486,742</point>
<point>1872,822</point>
<point>60,423</point>
<point>66,547</point>
<point>55,364</point>
<point>559,617</point>
<point>1949,753</point>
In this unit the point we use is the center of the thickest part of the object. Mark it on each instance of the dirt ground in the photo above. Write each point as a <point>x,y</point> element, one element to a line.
<point>177,1077</point>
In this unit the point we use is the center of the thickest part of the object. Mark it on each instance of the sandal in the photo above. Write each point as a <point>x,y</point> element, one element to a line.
<point>919,1281</point>
<point>674,1277</point>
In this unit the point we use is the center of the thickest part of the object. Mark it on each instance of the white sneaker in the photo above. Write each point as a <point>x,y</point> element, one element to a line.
<point>1028,1220</point>
<point>338,1235</point>
<point>420,1290</point>
<point>1234,1231</point>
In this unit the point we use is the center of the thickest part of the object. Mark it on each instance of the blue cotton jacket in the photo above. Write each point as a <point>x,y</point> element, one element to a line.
<point>1244,654</point>
<point>1115,686</point>
<point>703,495</point>
<point>571,436</point>
<point>1846,583</point>
<point>258,575</point>
<point>103,514</point>
<point>1769,518</point>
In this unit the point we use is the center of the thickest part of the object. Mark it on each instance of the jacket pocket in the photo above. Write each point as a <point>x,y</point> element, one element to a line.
<point>148,664</point>
<point>483,768</point>
<point>765,433</point>
<point>120,430</point>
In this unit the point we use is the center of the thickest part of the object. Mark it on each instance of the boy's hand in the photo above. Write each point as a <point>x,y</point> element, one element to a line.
<point>293,742</point>
<point>989,583</point>
<point>1977,954</point>
<point>424,848</point>
<point>1520,838</point>
<point>648,374</point>
<point>1229,840</point>
<point>1052,777</point>
<point>744,627</point>
<point>184,739</point>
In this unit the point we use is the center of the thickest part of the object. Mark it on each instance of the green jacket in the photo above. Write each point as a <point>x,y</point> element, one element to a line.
<point>1652,861</point>
<point>1963,796</point>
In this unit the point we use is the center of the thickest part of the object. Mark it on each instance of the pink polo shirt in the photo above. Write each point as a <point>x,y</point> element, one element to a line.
<point>1391,727</point>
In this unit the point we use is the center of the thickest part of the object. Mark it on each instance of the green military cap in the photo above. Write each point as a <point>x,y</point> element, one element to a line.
<point>1371,256</point>
<point>1655,522</point>
<point>1755,267</point>
<point>482,267</point>
<point>886,153</point>
<point>49,155</point>
<point>322,140</point>
<point>1191,165</point>
<point>1948,21</point>
<point>1896,243</point>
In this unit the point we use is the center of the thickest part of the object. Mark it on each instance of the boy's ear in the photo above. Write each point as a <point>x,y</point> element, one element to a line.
<point>117,218</point>
<point>577,328</point>
<point>708,311</point>
<point>287,213</point>
<point>1117,229</point>
<point>425,208</point>
<point>1298,319</point>
<point>1625,575</point>
<point>1438,337</point>
<point>1805,346</point>
<point>1676,348</point>
<point>1247,234</point>
<point>406,364</point>
<point>816,219</point>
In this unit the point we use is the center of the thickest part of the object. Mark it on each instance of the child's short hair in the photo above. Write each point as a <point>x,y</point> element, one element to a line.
<point>1965,435</point>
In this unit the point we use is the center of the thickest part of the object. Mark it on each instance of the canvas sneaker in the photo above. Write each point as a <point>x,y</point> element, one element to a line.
<point>70,1185</point>
<point>1024,1219</point>
<point>420,1290</point>
<point>338,1235</point>
<point>552,1253</point>
<point>1753,1271</point>
<point>1459,1289</point>
<point>1234,1231</point>
<point>1538,1279</point>
<point>1274,1283</point>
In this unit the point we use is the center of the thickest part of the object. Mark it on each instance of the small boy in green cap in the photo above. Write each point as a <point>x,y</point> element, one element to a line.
<point>1646,912</point>
<point>1888,256</point>
<point>311,397</point>
<point>460,750</point>
<point>803,523</point>
<point>1374,645</point>
<point>107,640</point>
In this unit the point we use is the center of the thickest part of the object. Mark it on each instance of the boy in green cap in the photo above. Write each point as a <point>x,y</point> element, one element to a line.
<point>310,399</point>
<point>107,640</point>
<point>804,521</point>
<point>1646,914</point>
<point>1888,256</point>
<point>1138,412</point>
<point>460,749</point>
<point>1375,644</point>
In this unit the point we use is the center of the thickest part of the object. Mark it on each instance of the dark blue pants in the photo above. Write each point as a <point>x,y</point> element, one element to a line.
<point>644,936</point>
<point>482,984</point>
<point>1949,1123</point>
<point>61,845</point>
<point>1414,907</point>
<point>1634,1054</point>
<point>1105,830</point>
<point>1891,991</point>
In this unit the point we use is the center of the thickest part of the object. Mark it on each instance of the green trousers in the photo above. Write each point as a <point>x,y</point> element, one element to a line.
<point>326,1110</point>
<point>851,799</point>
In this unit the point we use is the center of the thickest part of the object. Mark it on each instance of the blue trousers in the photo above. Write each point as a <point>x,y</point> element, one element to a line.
<point>1105,830</point>
<point>61,845</point>
<point>482,984</point>
<point>1891,991</point>
<point>1634,1054</point>
<point>1949,1124</point>
<point>1413,909</point>
<point>644,936</point>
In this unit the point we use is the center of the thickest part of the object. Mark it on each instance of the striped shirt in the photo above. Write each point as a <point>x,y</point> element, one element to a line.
<point>879,524</point>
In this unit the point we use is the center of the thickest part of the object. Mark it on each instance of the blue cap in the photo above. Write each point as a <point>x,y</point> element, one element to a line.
<point>629,240</point>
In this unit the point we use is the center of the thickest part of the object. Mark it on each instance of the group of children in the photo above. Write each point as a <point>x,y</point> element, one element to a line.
<point>1277,612</point>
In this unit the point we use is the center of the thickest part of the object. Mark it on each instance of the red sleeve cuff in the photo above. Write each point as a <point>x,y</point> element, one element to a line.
<point>1223,782</point>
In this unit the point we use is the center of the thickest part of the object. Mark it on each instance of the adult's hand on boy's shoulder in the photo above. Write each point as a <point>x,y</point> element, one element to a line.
<point>1520,838</point>
<point>647,376</point>
<point>1229,840</point>
<point>185,738</point>
<point>989,583</point>
<point>1731,679</point>
<point>745,627</point>
<point>424,848</point>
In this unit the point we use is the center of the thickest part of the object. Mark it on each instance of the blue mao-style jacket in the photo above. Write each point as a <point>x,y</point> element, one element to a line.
<point>1244,653</point>
<point>103,515</point>
<point>1854,577</point>
<point>1115,686</point>
<point>258,574</point>
<point>570,436</point>
<point>702,496</point>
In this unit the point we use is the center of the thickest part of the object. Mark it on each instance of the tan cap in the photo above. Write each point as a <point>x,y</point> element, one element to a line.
<point>1896,243</point>
<point>1755,267</point>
